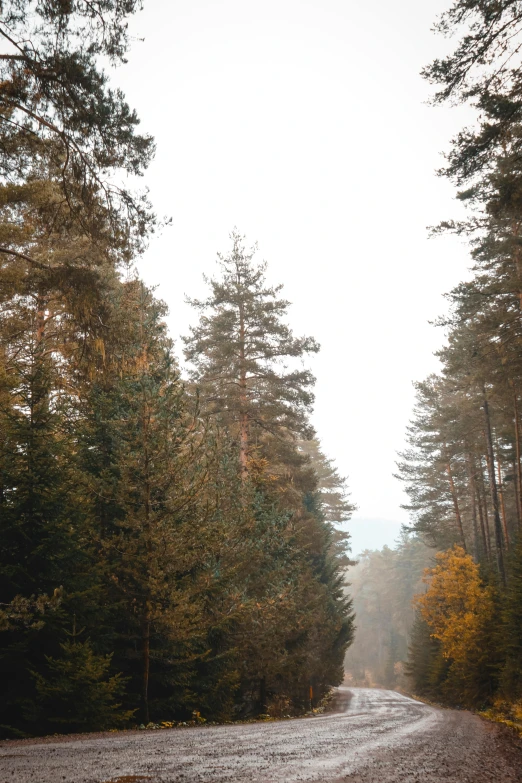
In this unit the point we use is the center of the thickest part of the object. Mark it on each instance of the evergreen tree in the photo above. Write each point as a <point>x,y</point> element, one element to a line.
<point>426,668</point>
<point>41,549</point>
<point>241,349</point>
<point>56,107</point>
<point>296,622</point>
<point>383,584</point>
<point>193,542</point>
<point>77,693</point>
<point>331,490</point>
<point>511,634</point>
<point>391,659</point>
<point>146,471</point>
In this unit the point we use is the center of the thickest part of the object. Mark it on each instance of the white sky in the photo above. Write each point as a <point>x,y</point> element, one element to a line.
<point>304,124</point>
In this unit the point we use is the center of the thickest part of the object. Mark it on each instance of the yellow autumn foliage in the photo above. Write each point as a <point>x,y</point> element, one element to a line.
<point>456,603</point>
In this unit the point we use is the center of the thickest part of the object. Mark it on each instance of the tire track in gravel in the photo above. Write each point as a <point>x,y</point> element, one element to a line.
<point>376,736</point>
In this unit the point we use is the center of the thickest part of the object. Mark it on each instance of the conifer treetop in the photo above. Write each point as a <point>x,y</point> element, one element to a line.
<point>243,352</point>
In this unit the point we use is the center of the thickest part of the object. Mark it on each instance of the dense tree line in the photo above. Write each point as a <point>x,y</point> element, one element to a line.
<point>462,470</point>
<point>167,545</point>
<point>383,585</point>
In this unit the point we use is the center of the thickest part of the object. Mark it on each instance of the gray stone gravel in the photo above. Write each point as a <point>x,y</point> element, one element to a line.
<point>378,737</point>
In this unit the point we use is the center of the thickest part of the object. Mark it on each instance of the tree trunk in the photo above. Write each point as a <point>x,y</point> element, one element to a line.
<point>473,498</point>
<point>493,488</point>
<point>147,617</point>
<point>518,470</point>
<point>146,666</point>
<point>518,262</point>
<point>483,512</point>
<point>455,504</point>
<point>243,415</point>
<point>262,696</point>
<point>243,445</point>
<point>147,507</point>
<point>482,525</point>
<point>40,318</point>
<point>502,505</point>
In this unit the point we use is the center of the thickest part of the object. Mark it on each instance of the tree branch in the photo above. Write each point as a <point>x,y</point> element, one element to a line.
<point>6,251</point>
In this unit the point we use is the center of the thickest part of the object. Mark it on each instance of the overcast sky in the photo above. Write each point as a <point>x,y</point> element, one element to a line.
<point>304,123</point>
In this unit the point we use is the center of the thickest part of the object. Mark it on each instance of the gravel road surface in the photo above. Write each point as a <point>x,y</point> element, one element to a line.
<point>376,736</point>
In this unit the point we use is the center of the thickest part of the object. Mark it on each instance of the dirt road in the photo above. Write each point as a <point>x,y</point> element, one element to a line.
<point>377,737</point>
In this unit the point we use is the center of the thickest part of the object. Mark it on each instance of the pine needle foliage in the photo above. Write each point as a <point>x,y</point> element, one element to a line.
<point>244,355</point>
<point>77,693</point>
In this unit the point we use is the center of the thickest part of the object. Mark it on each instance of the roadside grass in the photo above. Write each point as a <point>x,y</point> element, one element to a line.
<point>507,713</point>
<point>197,722</point>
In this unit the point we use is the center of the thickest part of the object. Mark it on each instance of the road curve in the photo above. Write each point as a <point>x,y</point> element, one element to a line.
<point>378,736</point>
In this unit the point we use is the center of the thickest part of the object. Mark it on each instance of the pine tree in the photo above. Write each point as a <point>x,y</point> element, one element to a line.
<point>464,471</point>
<point>58,110</point>
<point>77,692</point>
<point>40,550</point>
<point>485,70</point>
<point>330,495</point>
<point>143,462</point>
<point>295,622</point>
<point>426,667</point>
<point>391,659</point>
<point>383,584</point>
<point>241,351</point>
<point>331,490</point>
<point>511,641</point>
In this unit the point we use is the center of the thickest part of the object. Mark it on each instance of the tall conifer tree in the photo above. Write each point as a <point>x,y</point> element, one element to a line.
<point>241,351</point>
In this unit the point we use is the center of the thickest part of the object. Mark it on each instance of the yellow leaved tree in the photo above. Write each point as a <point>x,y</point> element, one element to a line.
<point>460,610</point>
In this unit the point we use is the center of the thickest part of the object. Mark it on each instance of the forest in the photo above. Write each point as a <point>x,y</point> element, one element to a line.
<point>383,585</point>
<point>172,544</point>
<point>168,540</point>
<point>461,469</point>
